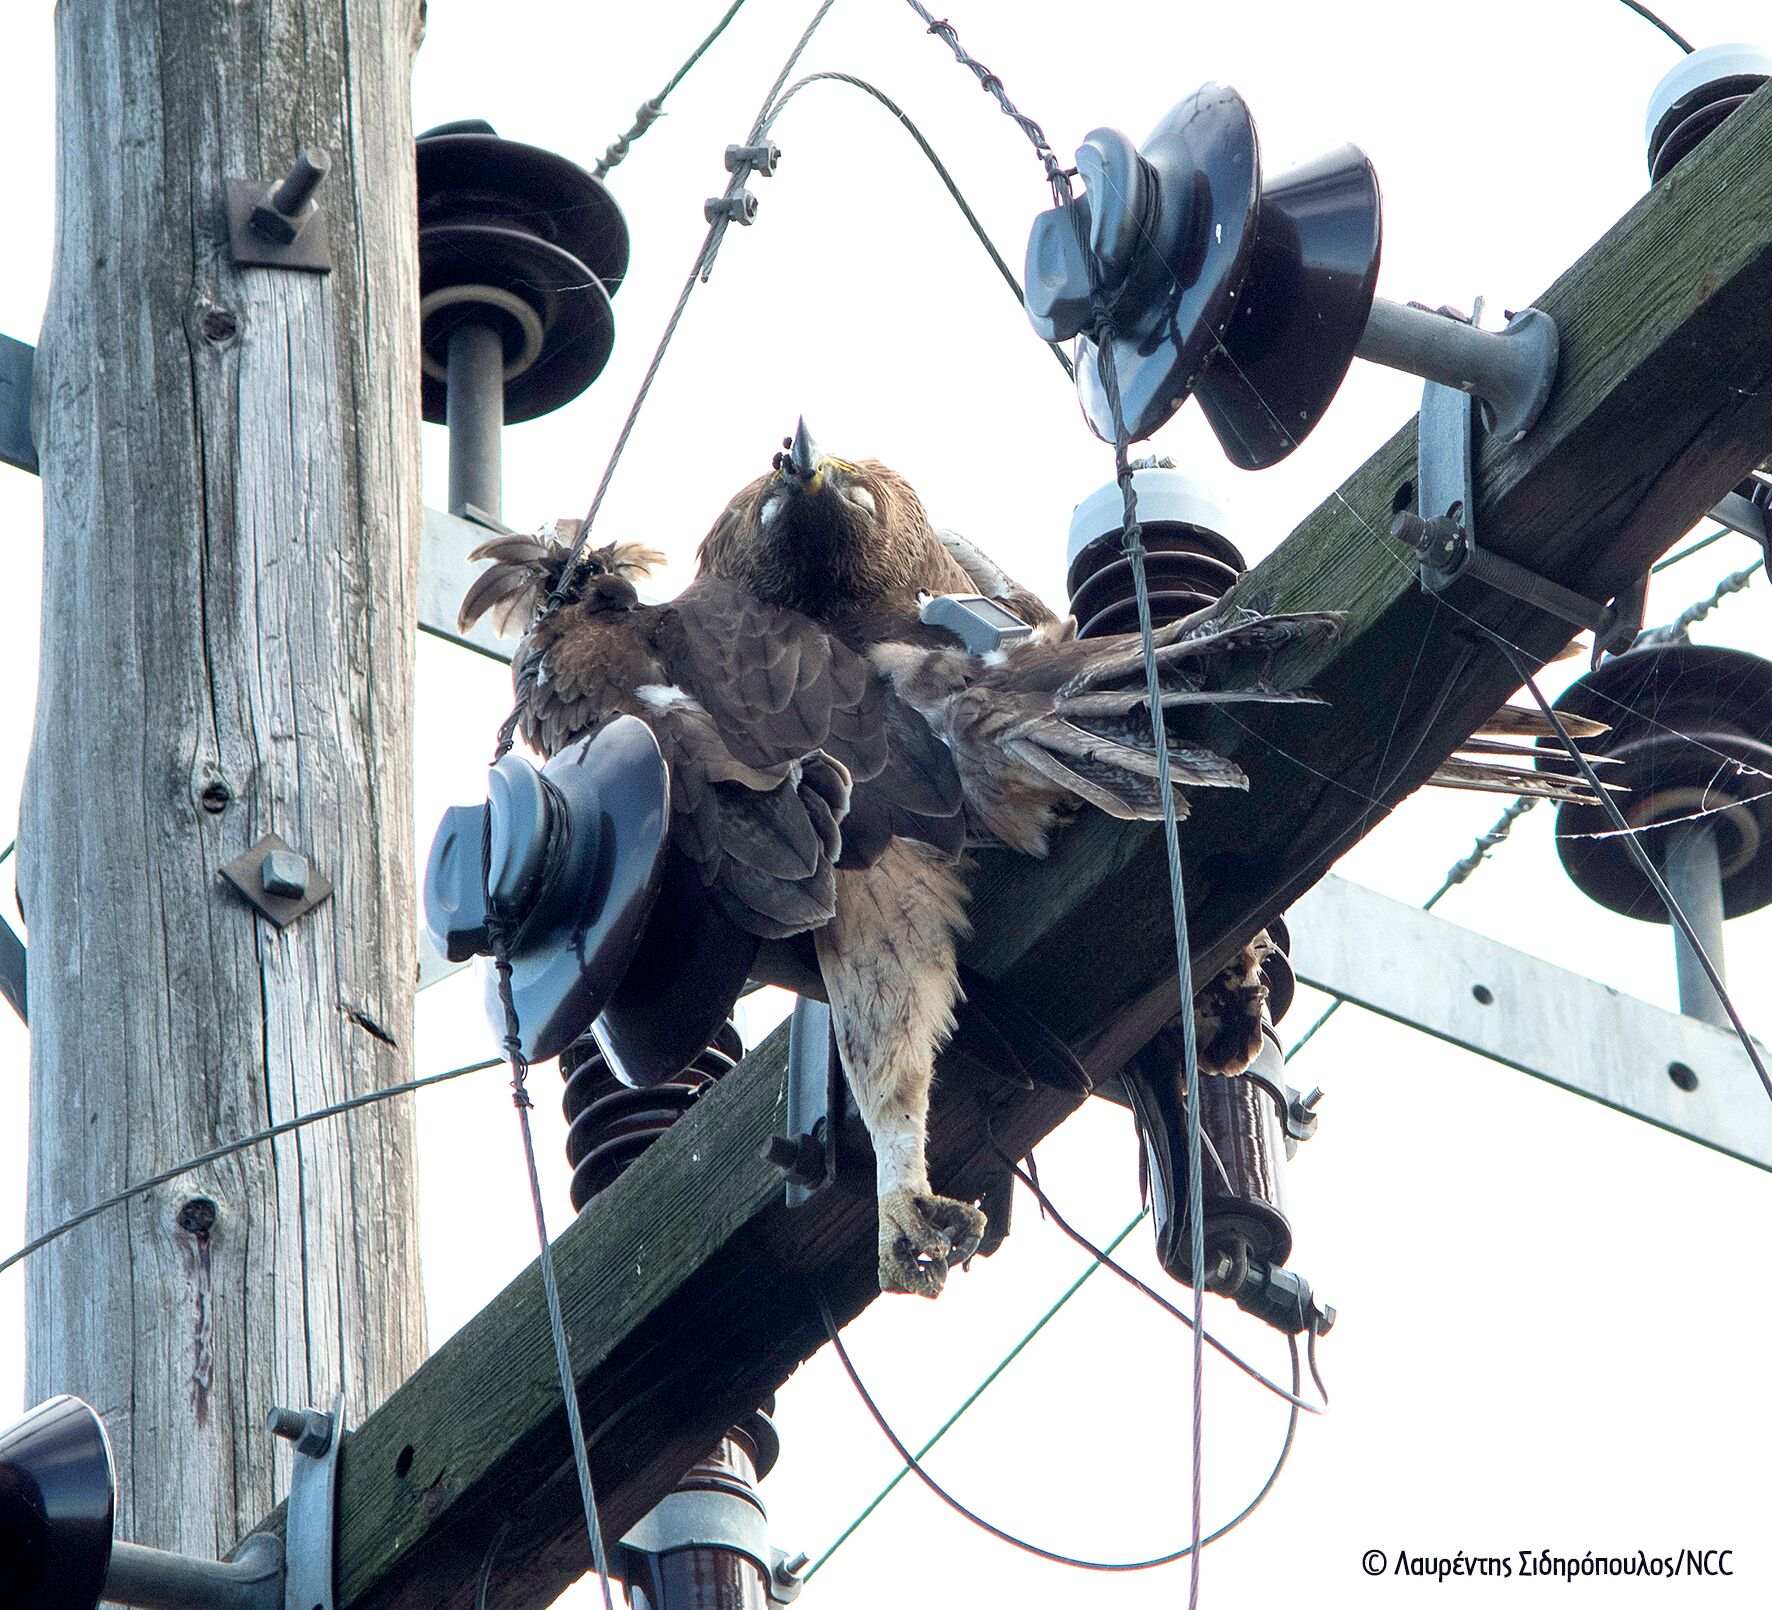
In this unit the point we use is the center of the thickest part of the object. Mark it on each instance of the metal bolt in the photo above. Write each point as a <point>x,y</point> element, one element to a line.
<point>285,875</point>
<point>739,209</point>
<point>308,1429</point>
<point>1410,529</point>
<point>789,1570</point>
<point>799,1157</point>
<point>756,158</point>
<point>289,205</point>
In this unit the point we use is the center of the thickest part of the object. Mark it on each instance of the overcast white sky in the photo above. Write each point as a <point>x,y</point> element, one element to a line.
<point>1551,1315</point>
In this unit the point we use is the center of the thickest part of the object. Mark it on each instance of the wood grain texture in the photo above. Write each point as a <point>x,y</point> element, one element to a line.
<point>231,490</point>
<point>691,1290</point>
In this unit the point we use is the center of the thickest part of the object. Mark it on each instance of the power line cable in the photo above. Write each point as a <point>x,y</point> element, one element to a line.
<point>513,1040</point>
<point>256,1138</point>
<point>698,273</point>
<point>976,1393</point>
<point>1649,16</point>
<point>1686,553</point>
<point>652,110</point>
<point>1103,1257</point>
<point>1188,1551</point>
<point>953,189</point>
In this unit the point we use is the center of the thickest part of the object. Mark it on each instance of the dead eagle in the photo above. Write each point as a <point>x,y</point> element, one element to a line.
<point>829,763</point>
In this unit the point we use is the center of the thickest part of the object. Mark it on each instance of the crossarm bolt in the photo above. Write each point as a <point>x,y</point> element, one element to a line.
<point>289,205</point>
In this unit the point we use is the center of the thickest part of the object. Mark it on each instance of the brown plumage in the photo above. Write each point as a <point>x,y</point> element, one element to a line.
<point>827,789</point>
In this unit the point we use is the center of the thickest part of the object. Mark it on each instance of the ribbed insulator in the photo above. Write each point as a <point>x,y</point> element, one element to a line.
<point>612,1124</point>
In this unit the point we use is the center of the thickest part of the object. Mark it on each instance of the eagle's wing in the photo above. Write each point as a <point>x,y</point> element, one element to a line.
<point>993,581</point>
<point>776,685</point>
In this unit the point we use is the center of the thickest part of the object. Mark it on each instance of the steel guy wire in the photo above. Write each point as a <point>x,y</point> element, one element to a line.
<point>1133,548</point>
<point>506,736</point>
<point>953,189</point>
<point>215,1154</point>
<point>652,110</point>
<point>1689,617</point>
<point>1057,176</point>
<point>1187,1551</point>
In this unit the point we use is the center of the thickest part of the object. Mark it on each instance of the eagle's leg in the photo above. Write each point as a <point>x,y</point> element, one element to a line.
<point>888,963</point>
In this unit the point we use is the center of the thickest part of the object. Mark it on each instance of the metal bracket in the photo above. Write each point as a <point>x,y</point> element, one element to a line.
<point>1746,512</point>
<point>17,362</point>
<point>310,1539</point>
<point>280,225</point>
<point>267,878</point>
<point>807,1154</point>
<point>1443,531</point>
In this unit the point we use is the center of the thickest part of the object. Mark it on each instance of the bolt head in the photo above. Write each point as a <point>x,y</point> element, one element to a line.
<point>285,875</point>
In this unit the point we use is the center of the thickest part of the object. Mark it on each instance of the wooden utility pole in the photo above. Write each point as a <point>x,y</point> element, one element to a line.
<point>231,514</point>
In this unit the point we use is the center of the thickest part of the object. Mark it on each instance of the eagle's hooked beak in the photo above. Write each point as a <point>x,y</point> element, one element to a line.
<point>803,455</point>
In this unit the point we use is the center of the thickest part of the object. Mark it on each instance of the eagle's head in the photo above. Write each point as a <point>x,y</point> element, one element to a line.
<point>818,534</point>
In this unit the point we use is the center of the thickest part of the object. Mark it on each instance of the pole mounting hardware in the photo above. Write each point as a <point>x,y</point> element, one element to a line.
<point>279,883</point>
<point>807,1153</point>
<point>280,224</point>
<point>310,1541</point>
<point>1442,528</point>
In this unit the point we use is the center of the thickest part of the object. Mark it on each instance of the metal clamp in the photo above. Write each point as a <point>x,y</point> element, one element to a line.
<point>739,209</point>
<point>280,225</point>
<point>807,1153</point>
<point>759,159</point>
<point>310,1538</point>
<point>1443,532</point>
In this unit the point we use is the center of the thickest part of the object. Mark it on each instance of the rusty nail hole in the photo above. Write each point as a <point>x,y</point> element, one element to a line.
<point>197,1215</point>
<point>220,325</point>
<point>215,798</point>
<point>403,1460</point>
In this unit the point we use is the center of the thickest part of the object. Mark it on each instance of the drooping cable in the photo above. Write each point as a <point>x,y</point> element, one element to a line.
<point>1649,16</point>
<point>1189,1550</point>
<point>257,1138</point>
<point>953,189</point>
<point>1632,842</point>
<point>975,1394</point>
<point>1104,1257</point>
<point>652,110</point>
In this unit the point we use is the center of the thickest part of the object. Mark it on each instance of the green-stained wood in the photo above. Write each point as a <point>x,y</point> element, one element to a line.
<point>691,1292</point>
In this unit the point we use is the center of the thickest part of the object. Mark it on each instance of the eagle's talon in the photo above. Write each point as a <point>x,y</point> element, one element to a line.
<point>921,1236</point>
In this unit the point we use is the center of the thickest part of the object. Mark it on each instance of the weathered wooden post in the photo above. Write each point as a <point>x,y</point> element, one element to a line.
<point>232,507</point>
